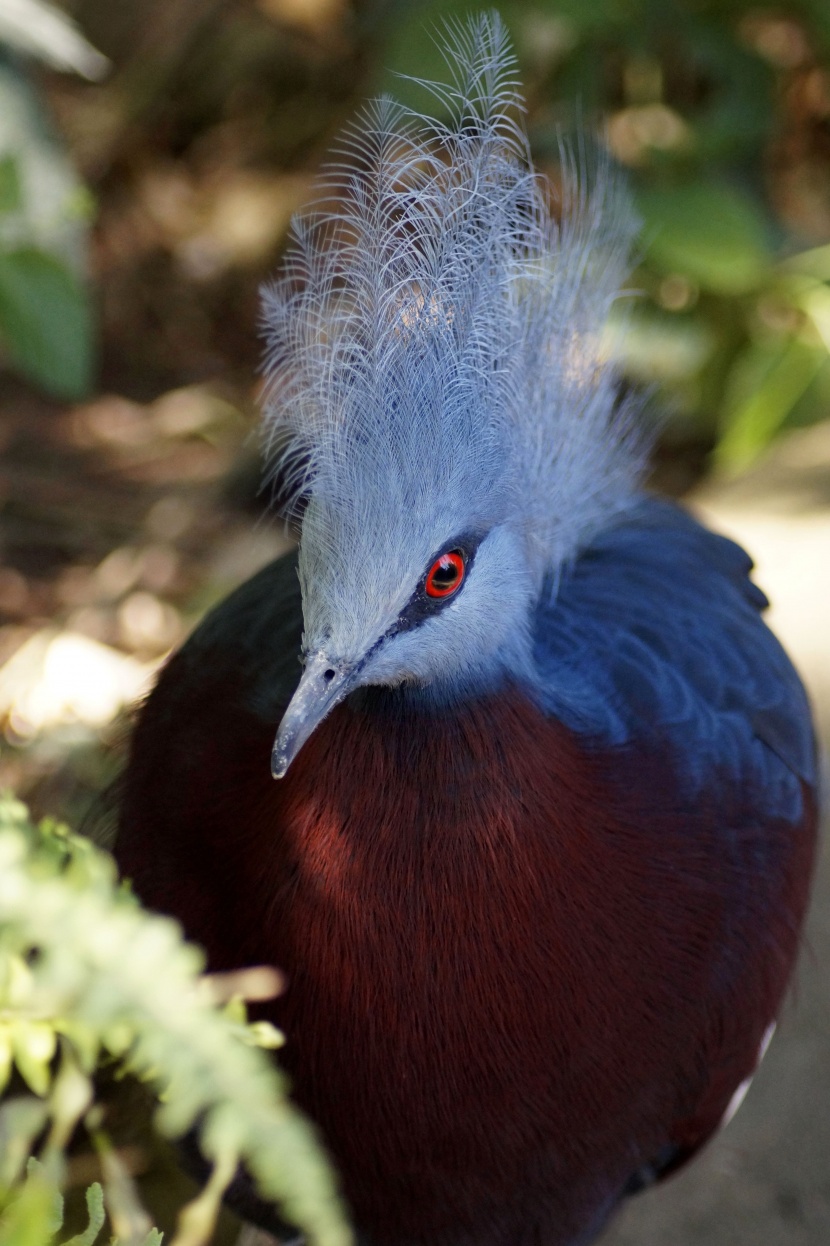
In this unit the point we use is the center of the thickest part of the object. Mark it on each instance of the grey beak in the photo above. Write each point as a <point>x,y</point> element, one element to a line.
<point>323,685</point>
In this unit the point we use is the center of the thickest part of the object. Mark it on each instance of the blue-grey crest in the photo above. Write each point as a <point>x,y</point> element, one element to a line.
<point>438,379</point>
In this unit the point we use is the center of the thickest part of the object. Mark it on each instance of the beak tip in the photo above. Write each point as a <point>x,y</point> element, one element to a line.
<point>321,687</point>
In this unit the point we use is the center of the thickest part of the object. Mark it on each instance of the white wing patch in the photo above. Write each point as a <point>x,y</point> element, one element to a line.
<point>740,1094</point>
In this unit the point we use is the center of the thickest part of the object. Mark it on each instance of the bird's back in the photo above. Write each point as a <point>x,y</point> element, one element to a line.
<point>533,938</point>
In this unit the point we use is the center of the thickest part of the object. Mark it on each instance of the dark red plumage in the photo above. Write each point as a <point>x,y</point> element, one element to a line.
<point>519,968</point>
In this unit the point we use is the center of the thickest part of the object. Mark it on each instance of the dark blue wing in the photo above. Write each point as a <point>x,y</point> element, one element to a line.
<point>656,635</point>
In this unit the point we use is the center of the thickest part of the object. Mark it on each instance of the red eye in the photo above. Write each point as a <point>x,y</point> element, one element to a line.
<point>445,575</point>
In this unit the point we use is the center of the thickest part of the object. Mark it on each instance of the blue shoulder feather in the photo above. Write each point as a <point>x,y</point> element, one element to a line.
<point>656,636</point>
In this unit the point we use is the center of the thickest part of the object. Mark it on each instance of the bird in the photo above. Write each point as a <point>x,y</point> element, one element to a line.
<point>530,828</point>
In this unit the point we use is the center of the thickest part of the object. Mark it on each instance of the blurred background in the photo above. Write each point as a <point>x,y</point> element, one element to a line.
<point>151,155</point>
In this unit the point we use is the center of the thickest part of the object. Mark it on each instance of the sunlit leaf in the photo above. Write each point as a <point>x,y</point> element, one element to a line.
<point>85,1041</point>
<point>36,1213</point>
<point>5,1056</point>
<point>41,29</point>
<point>34,1046</point>
<point>104,964</point>
<point>197,1218</point>
<point>70,1098</point>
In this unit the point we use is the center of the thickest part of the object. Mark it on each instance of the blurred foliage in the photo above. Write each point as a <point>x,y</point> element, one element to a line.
<point>46,322</point>
<point>40,29</point>
<point>216,113</point>
<point>86,979</point>
<point>721,111</point>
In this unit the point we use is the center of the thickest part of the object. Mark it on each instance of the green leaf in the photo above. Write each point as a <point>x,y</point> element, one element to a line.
<point>45,322</point>
<point>765,384</point>
<point>197,1219</point>
<point>105,965</point>
<point>34,1046</point>
<point>36,1213</point>
<point>11,193</point>
<point>70,1098</point>
<point>21,1120</point>
<point>263,1034</point>
<point>129,1219</point>
<point>97,1216</point>
<point>5,1056</point>
<point>714,234</point>
<point>86,1043</point>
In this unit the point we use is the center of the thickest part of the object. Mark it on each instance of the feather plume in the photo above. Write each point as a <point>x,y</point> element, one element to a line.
<point>438,335</point>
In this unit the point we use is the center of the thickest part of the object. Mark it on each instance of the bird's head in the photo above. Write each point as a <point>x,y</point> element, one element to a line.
<point>429,598</point>
<point>441,414</point>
